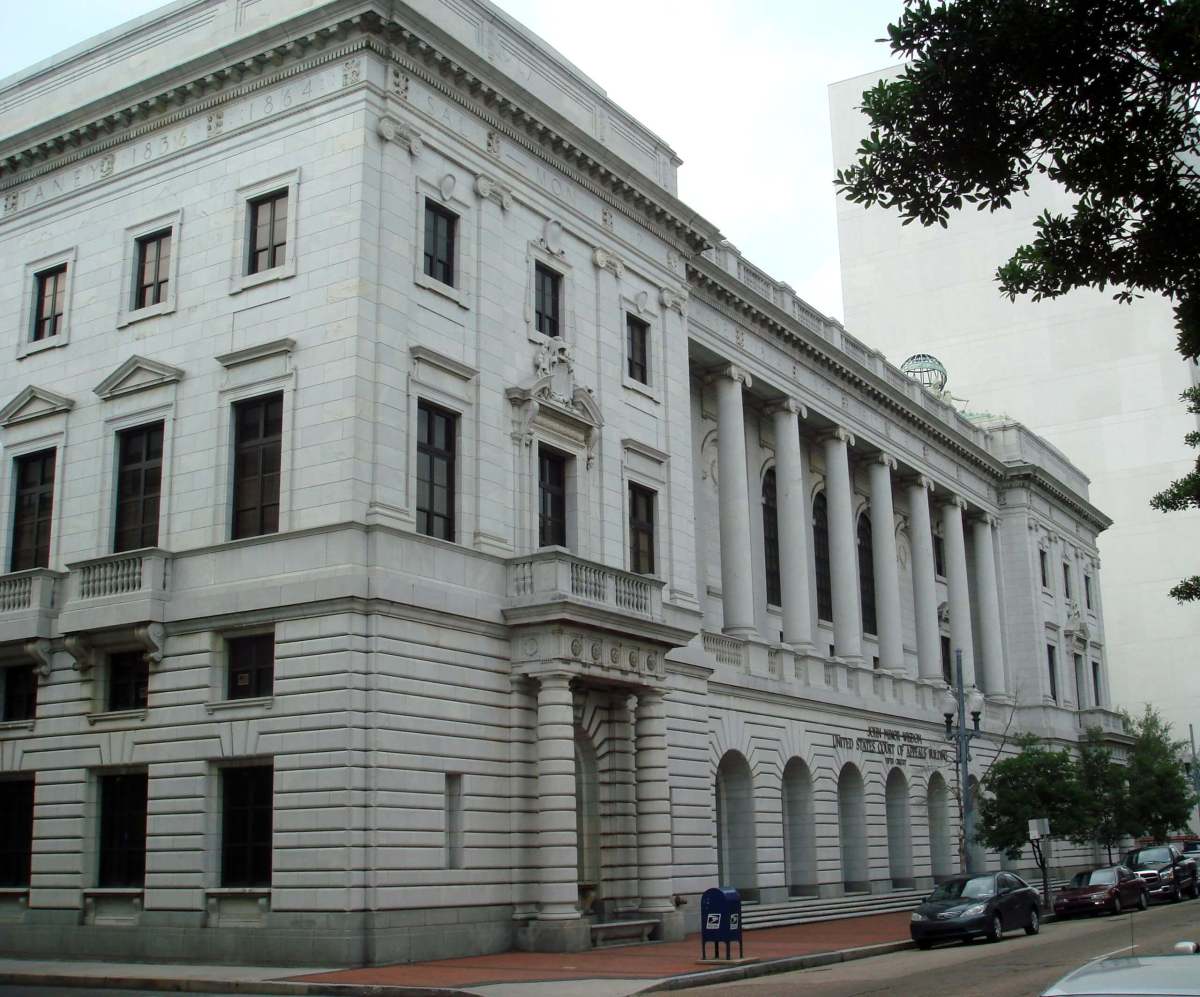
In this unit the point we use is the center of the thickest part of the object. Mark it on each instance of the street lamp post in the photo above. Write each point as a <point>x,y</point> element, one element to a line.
<point>961,735</point>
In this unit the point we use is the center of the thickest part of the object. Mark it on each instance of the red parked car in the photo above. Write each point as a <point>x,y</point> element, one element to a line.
<point>1113,888</point>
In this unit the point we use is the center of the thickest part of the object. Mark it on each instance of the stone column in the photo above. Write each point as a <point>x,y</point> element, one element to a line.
<point>987,592</point>
<point>792,496</point>
<point>557,847</point>
<point>654,812</point>
<point>843,552</point>
<point>887,573</point>
<point>925,605</point>
<point>957,585</point>
<point>737,586</point>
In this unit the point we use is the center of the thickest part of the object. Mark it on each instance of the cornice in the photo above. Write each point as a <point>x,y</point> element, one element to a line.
<point>1039,478</point>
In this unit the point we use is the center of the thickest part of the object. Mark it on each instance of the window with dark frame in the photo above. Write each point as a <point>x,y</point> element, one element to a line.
<point>122,830</point>
<point>1066,580</point>
<point>16,832</point>
<point>552,498</point>
<point>637,339</point>
<point>641,530</point>
<point>153,269</point>
<point>547,301</point>
<point>821,557</point>
<point>437,430</point>
<point>1087,591</point>
<point>866,575</point>
<point>128,681</point>
<point>258,441</point>
<point>50,297</point>
<point>1044,565</point>
<point>1096,683</point>
<point>939,555</point>
<point>441,226</point>
<point>33,510</point>
<point>247,805</point>
<point>770,506</point>
<point>268,232</point>
<point>251,666</point>
<point>139,486</point>
<point>947,664</point>
<point>20,693</point>
<point>1052,665</point>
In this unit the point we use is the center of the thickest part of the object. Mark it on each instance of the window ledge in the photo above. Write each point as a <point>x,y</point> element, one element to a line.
<point>260,702</point>
<point>238,891</point>
<point>7,725</point>
<point>37,346</point>
<point>116,716</point>
<point>149,311</point>
<point>14,891</point>
<point>455,294</point>
<point>243,282</point>
<point>646,390</point>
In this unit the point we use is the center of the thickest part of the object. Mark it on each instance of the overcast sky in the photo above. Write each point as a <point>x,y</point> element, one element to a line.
<point>737,87</point>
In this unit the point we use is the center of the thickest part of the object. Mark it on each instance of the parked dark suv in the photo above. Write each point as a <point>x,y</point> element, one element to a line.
<point>1167,872</point>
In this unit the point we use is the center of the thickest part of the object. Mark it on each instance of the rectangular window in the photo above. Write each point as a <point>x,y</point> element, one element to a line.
<point>258,442</point>
<point>440,228</point>
<point>251,666</point>
<point>268,232</point>
<point>1066,580</point>
<point>33,510</point>
<point>1087,591</point>
<point>547,293</point>
<point>1052,665</point>
<point>50,293</point>
<point>20,693</point>
<point>939,556</point>
<point>637,336</point>
<point>139,484</point>
<point>128,681</point>
<point>436,432</point>
<point>770,506</point>
<point>454,821</point>
<point>123,829</point>
<point>1044,564</point>
<point>153,269</point>
<point>947,664</point>
<point>16,832</point>
<point>247,800</point>
<point>552,498</point>
<point>1096,697</point>
<point>641,530</point>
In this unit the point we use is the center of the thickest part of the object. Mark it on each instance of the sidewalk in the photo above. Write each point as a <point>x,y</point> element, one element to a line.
<point>610,972</point>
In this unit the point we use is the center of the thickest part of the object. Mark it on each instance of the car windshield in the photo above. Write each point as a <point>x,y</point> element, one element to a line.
<point>975,888</point>
<point>1150,856</point>
<point>1097,877</point>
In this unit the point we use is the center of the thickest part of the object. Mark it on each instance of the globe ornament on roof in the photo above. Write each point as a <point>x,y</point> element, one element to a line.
<point>926,370</point>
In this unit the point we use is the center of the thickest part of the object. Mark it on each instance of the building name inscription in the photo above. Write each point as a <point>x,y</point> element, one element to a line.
<point>897,746</point>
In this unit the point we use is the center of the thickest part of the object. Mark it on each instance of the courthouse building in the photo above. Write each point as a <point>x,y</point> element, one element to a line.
<point>425,534</point>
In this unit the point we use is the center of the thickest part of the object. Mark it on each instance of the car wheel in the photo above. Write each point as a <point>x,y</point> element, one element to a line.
<point>1116,905</point>
<point>1177,895</point>
<point>1035,922</point>
<point>1143,903</point>
<point>924,946</point>
<point>995,929</point>
<point>1193,890</point>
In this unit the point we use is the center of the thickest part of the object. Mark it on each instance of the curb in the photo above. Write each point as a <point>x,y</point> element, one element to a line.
<point>194,986</point>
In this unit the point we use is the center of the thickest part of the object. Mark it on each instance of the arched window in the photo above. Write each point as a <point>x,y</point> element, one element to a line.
<point>771,539</point>
<point>866,575</point>
<point>821,557</point>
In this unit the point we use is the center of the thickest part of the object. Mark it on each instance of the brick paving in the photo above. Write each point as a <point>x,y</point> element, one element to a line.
<point>650,961</point>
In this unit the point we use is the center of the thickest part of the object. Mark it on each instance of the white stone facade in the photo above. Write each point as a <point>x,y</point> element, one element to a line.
<point>485,740</point>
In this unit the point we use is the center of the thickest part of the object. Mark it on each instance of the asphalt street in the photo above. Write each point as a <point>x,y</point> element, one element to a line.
<point>1016,966</point>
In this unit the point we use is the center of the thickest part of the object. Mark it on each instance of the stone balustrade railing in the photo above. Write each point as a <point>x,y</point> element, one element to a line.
<point>556,574</point>
<point>727,650</point>
<point>1107,720</point>
<point>23,591</point>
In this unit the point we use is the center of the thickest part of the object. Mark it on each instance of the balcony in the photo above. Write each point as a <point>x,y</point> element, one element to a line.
<point>116,590</point>
<point>1107,720</point>
<point>29,601</point>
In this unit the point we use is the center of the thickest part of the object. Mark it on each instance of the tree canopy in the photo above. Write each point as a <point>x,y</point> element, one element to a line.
<point>1160,798</point>
<point>1102,98</point>
<point>1104,803</point>
<point>1035,783</point>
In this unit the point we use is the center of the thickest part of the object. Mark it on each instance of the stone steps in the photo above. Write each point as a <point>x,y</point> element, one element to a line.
<point>813,909</point>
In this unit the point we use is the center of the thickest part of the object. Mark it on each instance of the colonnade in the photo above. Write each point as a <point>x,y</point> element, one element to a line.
<point>794,512</point>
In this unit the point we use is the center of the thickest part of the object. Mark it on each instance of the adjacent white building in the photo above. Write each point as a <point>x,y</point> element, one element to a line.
<point>1098,379</point>
<point>424,534</point>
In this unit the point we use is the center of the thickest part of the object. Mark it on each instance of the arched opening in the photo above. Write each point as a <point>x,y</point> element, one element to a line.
<point>821,557</point>
<point>899,823</point>
<point>770,509</point>
<point>587,821</point>
<point>866,575</point>
<point>852,829</point>
<point>979,854</point>
<point>941,851</point>
<point>799,839</point>
<point>735,825</point>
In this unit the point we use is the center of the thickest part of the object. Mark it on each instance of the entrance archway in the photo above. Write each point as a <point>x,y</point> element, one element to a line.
<point>941,852</point>
<point>736,864</point>
<point>852,829</point>
<point>899,822</point>
<point>799,847</point>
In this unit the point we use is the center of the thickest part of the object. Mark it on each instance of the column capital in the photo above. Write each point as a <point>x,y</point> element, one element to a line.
<point>986,517</point>
<point>954,500</point>
<point>921,481</point>
<point>730,372</point>
<point>673,297</point>
<point>605,260</point>
<point>886,459</point>
<point>788,405</point>
<point>840,433</point>
<point>649,696</point>
<point>555,680</point>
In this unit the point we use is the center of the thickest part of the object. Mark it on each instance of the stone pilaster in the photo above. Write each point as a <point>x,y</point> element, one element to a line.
<point>654,814</point>
<point>557,848</point>
<point>925,604</point>
<point>792,497</point>
<point>737,587</point>
<point>887,573</point>
<point>961,638</point>
<point>987,592</point>
<point>843,552</point>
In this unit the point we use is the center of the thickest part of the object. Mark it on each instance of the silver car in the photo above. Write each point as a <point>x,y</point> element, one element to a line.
<point>1135,976</point>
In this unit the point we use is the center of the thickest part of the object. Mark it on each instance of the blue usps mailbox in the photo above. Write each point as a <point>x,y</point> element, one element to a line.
<point>720,921</point>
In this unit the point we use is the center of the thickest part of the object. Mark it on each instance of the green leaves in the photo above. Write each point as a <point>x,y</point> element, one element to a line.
<point>1033,784</point>
<point>1160,799</point>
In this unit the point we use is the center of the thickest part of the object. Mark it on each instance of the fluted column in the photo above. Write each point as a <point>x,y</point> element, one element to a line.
<point>737,586</point>
<point>925,604</point>
<point>557,847</point>
<point>791,494</point>
<point>843,553</point>
<point>653,805</point>
<point>987,592</point>
<point>956,583</point>
<point>887,574</point>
